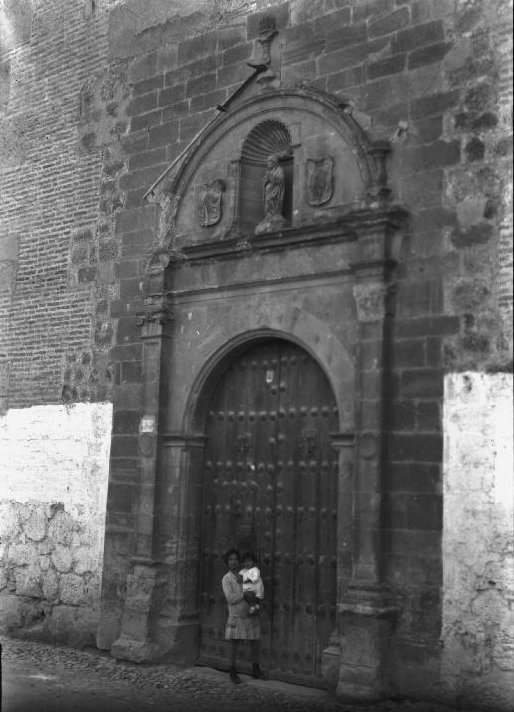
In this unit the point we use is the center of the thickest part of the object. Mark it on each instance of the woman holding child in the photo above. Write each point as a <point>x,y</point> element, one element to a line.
<point>243,608</point>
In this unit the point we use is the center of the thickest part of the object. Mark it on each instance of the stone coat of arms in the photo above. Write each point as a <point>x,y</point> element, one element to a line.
<point>320,180</point>
<point>210,202</point>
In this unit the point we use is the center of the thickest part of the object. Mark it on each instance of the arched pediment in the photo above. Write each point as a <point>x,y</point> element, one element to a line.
<point>215,189</point>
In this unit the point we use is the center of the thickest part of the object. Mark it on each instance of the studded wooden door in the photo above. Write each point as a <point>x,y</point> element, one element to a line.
<point>270,486</point>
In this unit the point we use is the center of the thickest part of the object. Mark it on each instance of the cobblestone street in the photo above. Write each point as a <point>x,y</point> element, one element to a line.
<point>44,678</point>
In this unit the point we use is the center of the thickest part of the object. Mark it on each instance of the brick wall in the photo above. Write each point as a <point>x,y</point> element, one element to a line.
<point>83,139</point>
<point>50,182</point>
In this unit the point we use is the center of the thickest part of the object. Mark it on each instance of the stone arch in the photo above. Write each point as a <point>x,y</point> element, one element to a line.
<point>313,546</point>
<point>305,332</point>
<point>211,292</point>
<point>215,153</point>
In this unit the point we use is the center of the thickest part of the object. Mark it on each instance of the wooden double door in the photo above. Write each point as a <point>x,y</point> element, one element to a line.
<point>270,486</point>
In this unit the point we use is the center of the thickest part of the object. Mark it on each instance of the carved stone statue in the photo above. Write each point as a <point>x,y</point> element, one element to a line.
<point>210,203</point>
<point>274,184</point>
<point>320,180</point>
<point>274,187</point>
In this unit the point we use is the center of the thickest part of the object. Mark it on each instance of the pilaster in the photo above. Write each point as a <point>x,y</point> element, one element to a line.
<point>344,443</point>
<point>366,610</point>
<point>147,581</point>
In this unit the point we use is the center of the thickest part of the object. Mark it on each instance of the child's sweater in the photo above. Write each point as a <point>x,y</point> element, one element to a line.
<point>252,581</point>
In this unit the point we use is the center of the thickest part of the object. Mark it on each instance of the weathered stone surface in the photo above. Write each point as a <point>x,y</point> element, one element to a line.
<point>44,563</point>
<point>72,625</point>
<point>45,547</point>
<point>35,527</point>
<point>370,302</point>
<point>22,554</point>
<point>11,612</point>
<point>469,294</point>
<point>60,480</point>
<point>126,648</point>
<point>16,23</point>
<point>72,589</point>
<point>60,529</point>
<point>27,583</point>
<point>50,585</point>
<point>134,30</point>
<point>62,558</point>
<point>9,518</point>
<point>471,211</point>
<point>478,560</point>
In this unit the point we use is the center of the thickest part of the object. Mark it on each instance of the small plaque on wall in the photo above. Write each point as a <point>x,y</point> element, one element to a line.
<point>147,424</point>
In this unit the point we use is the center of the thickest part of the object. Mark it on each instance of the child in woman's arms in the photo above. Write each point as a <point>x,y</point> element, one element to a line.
<point>253,588</point>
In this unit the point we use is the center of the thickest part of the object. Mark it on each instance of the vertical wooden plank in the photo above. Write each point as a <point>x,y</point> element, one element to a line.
<point>283,628</point>
<point>307,509</point>
<point>266,399</point>
<point>327,422</point>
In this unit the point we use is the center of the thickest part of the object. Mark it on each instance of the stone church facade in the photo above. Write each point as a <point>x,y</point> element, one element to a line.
<point>256,292</point>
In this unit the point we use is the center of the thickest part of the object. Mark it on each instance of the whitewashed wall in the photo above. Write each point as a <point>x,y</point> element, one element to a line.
<point>54,465</point>
<point>478,539</point>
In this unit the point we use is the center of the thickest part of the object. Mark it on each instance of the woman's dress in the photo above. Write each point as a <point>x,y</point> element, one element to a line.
<point>240,624</point>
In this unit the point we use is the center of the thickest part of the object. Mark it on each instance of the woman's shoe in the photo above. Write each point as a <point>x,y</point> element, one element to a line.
<point>257,672</point>
<point>234,677</point>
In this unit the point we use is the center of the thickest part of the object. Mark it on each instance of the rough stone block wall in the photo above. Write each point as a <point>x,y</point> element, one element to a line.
<point>54,463</point>
<point>478,555</point>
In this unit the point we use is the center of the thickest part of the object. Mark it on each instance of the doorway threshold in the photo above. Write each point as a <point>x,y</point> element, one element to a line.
<point>313,694</point>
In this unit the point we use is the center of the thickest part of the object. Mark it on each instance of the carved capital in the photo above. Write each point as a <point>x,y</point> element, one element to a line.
<point>370,300</point>
<point>157,310</point>
<point>155,271</point>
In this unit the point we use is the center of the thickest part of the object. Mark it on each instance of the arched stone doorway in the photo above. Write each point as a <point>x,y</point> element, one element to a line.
<point>324,281</point>
<point>270,481</point>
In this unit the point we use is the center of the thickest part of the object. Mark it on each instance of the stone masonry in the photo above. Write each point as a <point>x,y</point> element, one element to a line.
<point>97,98</point>
<point>53,474</point>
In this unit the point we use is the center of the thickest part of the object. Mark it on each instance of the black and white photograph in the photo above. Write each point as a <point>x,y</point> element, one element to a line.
<point>256,335</point>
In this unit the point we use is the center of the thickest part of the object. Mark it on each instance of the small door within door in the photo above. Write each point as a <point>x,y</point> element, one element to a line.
<point>270,486</point>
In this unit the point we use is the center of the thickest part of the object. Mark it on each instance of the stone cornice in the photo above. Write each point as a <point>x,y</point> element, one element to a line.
<point>345,229</point>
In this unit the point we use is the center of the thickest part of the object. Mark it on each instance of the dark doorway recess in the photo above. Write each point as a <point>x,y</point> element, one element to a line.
<point>270,485</point>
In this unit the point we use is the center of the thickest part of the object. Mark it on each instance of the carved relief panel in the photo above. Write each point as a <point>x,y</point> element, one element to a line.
<point>279,161</point>
<point>209,202</point>
<point>320,180</point>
